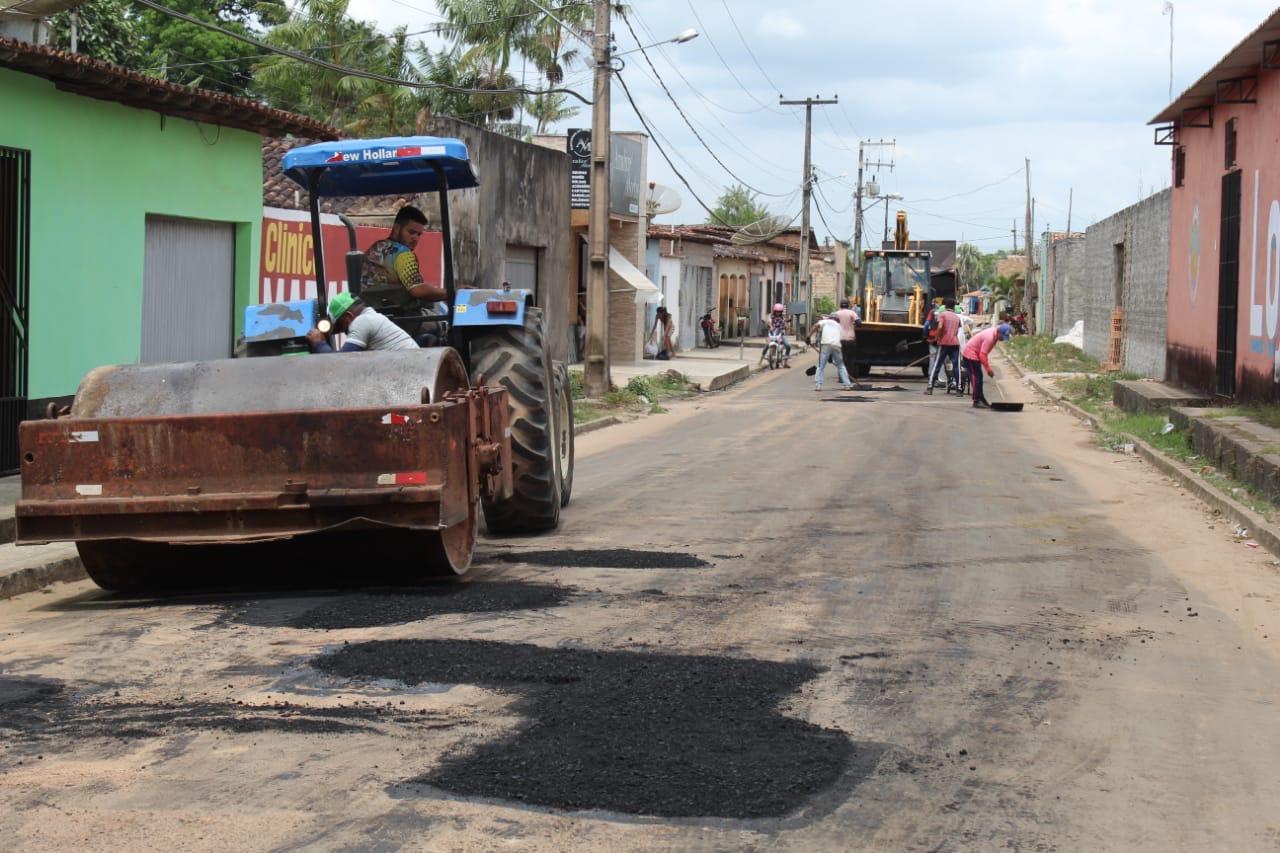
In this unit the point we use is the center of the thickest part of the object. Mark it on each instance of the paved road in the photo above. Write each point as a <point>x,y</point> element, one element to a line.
<point>772,619</point>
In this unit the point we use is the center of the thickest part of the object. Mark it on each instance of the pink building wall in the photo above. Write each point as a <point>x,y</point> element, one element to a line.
<point>1195,223</point>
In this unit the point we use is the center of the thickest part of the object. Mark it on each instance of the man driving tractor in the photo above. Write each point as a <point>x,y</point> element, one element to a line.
<point>391,261</point>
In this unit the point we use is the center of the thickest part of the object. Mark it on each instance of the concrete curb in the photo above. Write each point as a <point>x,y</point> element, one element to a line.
<point>38,577</point>
<point>598,423</point>
<point>1262,532</point>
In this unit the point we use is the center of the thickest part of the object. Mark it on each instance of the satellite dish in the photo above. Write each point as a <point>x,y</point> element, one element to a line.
<point>662,200</point>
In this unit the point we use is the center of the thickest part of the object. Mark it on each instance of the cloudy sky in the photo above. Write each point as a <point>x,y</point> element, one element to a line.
<point>967,90</point>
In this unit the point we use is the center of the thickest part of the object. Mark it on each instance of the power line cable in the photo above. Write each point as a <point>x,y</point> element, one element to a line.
<point>696,91</point>
<point>627,91</point>
<point>727,66</point>
<point>750,52</point>
<point>345,70</point>
<point>1010,176</point>
<point>688,123</point>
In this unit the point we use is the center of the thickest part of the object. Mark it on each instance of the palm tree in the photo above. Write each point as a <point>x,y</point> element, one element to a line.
<point>969,265</point>
<point>547,109</point>
<point>320,28</point>
<point>390,110</point>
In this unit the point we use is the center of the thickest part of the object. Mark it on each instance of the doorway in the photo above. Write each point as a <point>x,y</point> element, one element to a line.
<point>188,290</point>
<point>15,253</point>
<point>1228,285</point>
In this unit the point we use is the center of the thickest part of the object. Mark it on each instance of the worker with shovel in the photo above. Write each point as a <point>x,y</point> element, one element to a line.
<point>976,355</point>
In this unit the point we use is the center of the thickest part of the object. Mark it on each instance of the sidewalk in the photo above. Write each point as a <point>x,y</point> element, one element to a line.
<point>706,369</point>
<point>28,568</point>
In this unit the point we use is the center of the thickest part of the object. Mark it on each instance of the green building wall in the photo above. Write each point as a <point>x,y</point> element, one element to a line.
<point>98,168</point>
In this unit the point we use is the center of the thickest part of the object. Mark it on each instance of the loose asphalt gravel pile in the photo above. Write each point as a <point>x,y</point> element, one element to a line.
<point>605,558</point>
<point>641,733</point>
<point>396,607</point>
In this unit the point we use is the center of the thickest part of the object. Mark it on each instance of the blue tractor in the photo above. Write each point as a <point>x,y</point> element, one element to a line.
<point>498,334</point>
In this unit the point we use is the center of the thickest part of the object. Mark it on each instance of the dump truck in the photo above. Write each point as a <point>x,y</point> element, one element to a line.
<point>165,473</point>
<point>894,302</point>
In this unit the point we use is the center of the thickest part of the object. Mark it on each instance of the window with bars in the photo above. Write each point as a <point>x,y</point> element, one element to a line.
<point>1179,165</point>
<point>1230,144</point>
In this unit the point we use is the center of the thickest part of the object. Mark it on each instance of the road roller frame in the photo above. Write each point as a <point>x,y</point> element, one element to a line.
<point>264,475</point>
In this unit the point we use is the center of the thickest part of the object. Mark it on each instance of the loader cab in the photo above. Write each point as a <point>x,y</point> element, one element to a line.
<point>897,279</point>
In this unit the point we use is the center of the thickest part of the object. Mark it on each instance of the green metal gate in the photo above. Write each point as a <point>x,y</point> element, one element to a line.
<point>15,253</point>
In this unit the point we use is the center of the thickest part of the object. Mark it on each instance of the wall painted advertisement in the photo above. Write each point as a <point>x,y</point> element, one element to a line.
<point>287,269</point>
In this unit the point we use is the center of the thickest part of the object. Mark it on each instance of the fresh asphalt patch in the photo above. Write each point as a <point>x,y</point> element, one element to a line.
<point>40,711</point>
<point>399,606</point>
<point>605,558</point>
<point>630,732</point>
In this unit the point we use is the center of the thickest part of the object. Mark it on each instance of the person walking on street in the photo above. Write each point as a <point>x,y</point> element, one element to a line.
<point>848,320</point>
<point>948,323</point>
<point>828,333</point>
<point>977,359</point>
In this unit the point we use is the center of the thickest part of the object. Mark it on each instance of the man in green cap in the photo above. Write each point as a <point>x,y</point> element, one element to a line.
<point>365,328</point>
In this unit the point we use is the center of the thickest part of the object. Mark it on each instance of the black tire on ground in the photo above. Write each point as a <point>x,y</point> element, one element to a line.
<point>564,431</point>
<point>864,370</point>
<point>924,370</point>
<point>516,359</point>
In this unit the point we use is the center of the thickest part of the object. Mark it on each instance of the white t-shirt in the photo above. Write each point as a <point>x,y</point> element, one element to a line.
<point>371,331</point>
<point>830,330</point>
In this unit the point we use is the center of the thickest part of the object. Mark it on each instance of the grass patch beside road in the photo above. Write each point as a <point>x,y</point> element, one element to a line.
<point>641,394</point>
<point>1093,394</point>
<point>1039,354</point>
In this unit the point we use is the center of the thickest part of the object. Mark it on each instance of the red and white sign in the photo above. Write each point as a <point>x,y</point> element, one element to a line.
<point>287,266</point>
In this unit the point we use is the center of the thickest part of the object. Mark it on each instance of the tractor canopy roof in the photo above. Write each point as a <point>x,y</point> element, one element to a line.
<point>390,166</point>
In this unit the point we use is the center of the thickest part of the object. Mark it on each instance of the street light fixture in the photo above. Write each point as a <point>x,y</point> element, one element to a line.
<point>684,36</point>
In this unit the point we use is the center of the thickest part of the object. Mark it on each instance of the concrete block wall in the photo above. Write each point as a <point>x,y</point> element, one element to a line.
<point>1140,287</point>
<point>1067,283</point>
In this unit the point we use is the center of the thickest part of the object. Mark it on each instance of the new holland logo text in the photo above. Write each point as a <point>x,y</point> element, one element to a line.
<point>374,155</point>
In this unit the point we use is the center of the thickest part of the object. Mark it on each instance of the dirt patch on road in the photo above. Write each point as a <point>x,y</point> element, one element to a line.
<point>606,558</point>
<point>36,711</point>
<point>639,733</point>
<point>396,607</point>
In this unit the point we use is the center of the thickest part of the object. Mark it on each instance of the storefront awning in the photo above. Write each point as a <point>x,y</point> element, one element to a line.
<point>646,291</point>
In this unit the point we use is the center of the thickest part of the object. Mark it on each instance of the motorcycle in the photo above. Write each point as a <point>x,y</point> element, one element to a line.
<point>710,330</point>
<point>775,354</point>
<point>1019,324</point>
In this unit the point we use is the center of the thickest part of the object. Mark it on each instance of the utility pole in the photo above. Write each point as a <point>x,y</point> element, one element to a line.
<point>1070,198</point>
<point>1026,284</point>
<point>806,187</point>
<point>857,216</point>
<point>595,374</point>
<point>1014,232</point>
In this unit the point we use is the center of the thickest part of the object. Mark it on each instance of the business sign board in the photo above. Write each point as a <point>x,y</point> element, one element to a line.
<point>626,177</point>
<point>579,169</point>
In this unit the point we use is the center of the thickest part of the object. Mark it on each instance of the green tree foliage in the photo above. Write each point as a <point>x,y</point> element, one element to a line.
<point>323,29</point>
<point>547,109</point>
<point>193,55</point>
<point>106,30</point>
<point>738,206</point>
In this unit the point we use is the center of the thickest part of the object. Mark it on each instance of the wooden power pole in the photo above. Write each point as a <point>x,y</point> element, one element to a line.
<point>806,187</point>
<point>1026,284</point>
<point>596,379</point>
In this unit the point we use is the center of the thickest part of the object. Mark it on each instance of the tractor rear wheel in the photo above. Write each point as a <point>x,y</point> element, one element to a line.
<point>516,358</point>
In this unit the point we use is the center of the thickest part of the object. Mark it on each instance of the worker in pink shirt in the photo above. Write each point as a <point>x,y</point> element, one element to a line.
<point>976,355</point>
